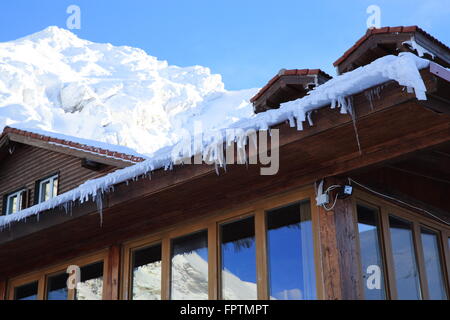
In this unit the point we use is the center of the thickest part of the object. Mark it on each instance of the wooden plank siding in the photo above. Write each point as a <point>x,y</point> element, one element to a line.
<point>27,165</point>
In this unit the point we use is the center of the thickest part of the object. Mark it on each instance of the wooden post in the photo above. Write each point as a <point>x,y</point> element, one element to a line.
<point>261,254</point>
<point>339,248</point>
<point>348,252</point>
<point>329,255</point>
<point>112,279</point>
<point>2,289</point>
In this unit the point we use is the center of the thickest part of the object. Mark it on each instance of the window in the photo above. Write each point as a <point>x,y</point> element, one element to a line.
<point>405,247</point>
<point>47,188</point>
<point>370,253</point>
<point>26,292</point>
<point>291,253</point>
<point>263,250</point>
<point>405,263</point>
<point>51,283</point>
<point>16,201</point>
<point>190,267</point>
<point>238,259</point>
<point>146,273</point>
<point>433,265</point>
<point>90,286</point>
<point>57,287</point>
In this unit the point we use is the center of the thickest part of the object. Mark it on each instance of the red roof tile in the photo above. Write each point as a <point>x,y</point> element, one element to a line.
<point>291,72</point>
<point>385,30</point>
<point>72,144</point>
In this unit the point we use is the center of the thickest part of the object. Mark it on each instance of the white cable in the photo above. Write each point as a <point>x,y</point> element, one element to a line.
<point>330,188</point>
<point>397,200</point>
<point>332,207</point>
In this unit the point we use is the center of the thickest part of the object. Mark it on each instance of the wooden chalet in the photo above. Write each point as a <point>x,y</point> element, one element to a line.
<point>191,233</point>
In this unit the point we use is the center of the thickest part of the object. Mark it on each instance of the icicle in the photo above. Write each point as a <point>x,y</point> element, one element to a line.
<point>291,121</point>
<point>309,116</point>
<point>217,169</point>
<point>369,97</point>
<point>300,116</point>
<point>333,103</point>
<point>353,115</point>
<point>342,105</point>
<point>99,202</point>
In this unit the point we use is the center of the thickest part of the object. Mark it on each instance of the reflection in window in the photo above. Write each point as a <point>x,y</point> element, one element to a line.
<point>16,201</point>
<point>433,266</point>
<point>90,286</point>
<point>189,278</point>
<point>57,287</point>
<point>28,291</point>
<point>405,263</point>
<point>147,273</point>
<point>238,255</point>
<point>48,188</point>
<point>370,253</point>
<point>291,252</point>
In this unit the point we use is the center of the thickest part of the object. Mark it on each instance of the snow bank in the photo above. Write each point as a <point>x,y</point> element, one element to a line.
<point>404,69</point>
<point>54,81</point>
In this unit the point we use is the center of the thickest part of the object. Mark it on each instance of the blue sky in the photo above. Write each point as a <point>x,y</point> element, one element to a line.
<point>245,41</point>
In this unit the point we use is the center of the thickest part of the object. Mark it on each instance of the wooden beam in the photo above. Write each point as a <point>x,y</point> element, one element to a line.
<point>2,289</point>
<point>112,278</point>
<point>261,255</point>
<point>329,255</point>
<point>346,234</point>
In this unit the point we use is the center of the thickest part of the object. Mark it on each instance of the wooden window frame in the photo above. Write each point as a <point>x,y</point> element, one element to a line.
<point>42,275</point>
<point>17,193</point>
<point>40,182</point>
<point>212,224</point>
<point>388,208</point>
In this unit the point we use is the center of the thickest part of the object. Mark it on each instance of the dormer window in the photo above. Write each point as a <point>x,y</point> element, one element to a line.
<point>47,188</point>
<point>15,201</point>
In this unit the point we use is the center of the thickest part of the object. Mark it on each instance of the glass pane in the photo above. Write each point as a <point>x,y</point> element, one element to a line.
<point>26,292</point>
<point>405,263</point>
<point>239,260</point>
<point>45,191</point>
<point>90,286</point>
<point>147,273</point>
<point>370,252</point>
<point>57,287</point>
<point>291,253</point>
<point>190,267</point>
<point>433,266</point>
<point>12,205</point>
<point>55,187</point>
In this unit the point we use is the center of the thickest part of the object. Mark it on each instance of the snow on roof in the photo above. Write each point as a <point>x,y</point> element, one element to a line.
<point>403,69</point>
<point>85,145</point>
<point>396,30</point>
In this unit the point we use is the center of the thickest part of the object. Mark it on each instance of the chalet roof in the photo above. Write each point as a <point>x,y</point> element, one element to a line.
<point>284,72</point>
<point>389,30</point>
<point>72,143</point>
<point>403,69</point>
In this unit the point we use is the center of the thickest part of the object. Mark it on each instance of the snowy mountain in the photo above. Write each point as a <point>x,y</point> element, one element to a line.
<point>190,281</point>
<point>54,81</point>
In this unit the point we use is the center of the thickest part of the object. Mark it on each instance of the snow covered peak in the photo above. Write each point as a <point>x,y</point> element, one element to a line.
<point>55,35</point>
<point>54,81</point>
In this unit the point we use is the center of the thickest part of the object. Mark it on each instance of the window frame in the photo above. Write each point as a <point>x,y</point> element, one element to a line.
<point>17,193</point>
<point>51,178</point>
<point>382,244</point>
<point>42,275</point>
<point>388,208</point>
<point>212,223</point>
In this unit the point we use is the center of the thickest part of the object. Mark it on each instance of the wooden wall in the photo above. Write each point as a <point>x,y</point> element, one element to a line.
<point>28,164</point>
